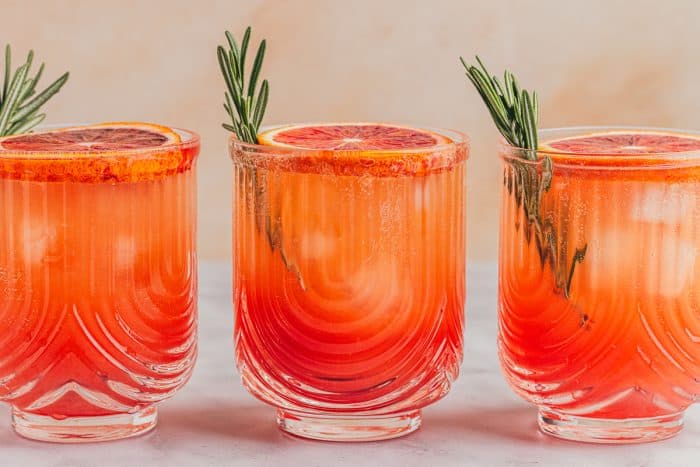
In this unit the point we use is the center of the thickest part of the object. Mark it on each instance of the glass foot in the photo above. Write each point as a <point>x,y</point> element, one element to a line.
<point>599,430</point>
<point>83,429</point>
<point>357,428</point>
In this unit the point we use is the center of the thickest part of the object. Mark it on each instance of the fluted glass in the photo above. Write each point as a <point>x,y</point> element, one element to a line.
<point>97,288</point>
<point>599,311</point>
<point>349,284</point>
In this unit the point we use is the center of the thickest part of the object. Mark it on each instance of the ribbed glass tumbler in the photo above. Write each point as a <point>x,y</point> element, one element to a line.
<point>97,286</point>
<point>599,308</point>
<point>349,284</point>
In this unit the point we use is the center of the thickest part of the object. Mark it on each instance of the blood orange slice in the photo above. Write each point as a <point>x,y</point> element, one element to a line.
<point>117,136</point>
<point>106,152</point>
<point>352,137</point>
<point>630,142</point>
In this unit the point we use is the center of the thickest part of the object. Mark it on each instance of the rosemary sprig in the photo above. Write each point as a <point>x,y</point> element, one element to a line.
<point>513,109</point>
<point>245,108</point>
<point>19,101</point>
<point>515,112</point>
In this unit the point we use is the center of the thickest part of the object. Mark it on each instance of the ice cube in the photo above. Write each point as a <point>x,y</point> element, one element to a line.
<point>316,245</point>
<point>672,273</point>
<point>125,252</point>
<point>662,202</point>
<point>40,241</point>
<point>654,259</point>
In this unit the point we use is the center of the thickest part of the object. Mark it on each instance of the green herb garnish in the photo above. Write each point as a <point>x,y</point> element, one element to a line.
<point>245,108</point>
<point>19,102</point>
<point>515,112</point>
<point>513,109</point>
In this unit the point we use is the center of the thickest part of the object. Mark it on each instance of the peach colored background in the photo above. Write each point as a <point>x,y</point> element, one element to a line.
<point>593,62</point>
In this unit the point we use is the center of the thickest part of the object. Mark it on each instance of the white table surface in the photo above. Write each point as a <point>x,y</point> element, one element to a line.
<point>213,421</point>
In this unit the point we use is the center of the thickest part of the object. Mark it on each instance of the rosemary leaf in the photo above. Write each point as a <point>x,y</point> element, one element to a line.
<point>547,171</point>
<point>257,65</point>
<point>13,93</point>
<point>36,79</point>
<point>224,64</point>
<point>27,124</point>
<point>261,104</point>
<point>244,49</point>
<point>508,79</point>
<point>8,66</point>
<point>232,42</point>
<point>40,99</point>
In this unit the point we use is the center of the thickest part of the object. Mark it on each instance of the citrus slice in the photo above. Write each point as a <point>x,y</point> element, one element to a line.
<point>105,152</point>
<point>628,142</point>
<point>352,137</point>
<point>117,136</point>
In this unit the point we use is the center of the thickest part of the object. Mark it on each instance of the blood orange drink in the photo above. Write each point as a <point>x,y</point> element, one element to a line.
<point>349,274</point>
<point>599,273</point>
<point>97,277</point>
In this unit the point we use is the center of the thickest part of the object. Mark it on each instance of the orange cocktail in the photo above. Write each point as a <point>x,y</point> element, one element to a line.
<point>97,277</point>
<point>349,274</point>
<point>599,274</point>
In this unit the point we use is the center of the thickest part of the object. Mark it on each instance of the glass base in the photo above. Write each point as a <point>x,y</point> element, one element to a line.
<point>348,428</point>
<point>600,430</point>
<point>84,429</point>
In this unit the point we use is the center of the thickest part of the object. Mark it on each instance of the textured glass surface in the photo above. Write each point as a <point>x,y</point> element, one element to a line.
<point>348,289</point>
<point>625,342</point>
<point>97,294</point>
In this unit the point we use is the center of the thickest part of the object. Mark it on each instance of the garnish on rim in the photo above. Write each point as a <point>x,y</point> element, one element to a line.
<point>103,152</point>
<point>19,102</point>
<point>112,136</point>
<point>351,137</point>
<point>245,109</point>
<point>624,142</point>
<point>515,112</point>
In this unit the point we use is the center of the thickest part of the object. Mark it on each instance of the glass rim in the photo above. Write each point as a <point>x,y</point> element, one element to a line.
<point>189,138</point>
<point>459,139</point>
<point>619,161</point>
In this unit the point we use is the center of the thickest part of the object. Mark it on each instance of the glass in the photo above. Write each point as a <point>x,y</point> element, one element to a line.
<point>349,284</point>
<point>598,307</point>
<point>97,288</point>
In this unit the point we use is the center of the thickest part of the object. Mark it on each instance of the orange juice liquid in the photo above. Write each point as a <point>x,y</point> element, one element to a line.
<point>97,292</point>
<point>348,289</point>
